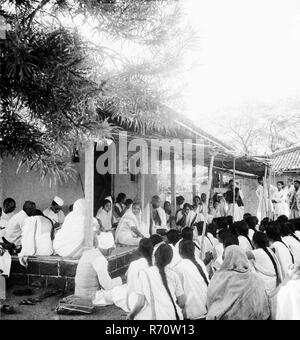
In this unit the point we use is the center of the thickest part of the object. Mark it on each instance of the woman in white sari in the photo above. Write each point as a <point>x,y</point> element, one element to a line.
<point>125,296</point>
<point>69,240</point>
<point>265,262</point>
<point>281,250</point>
<point>36,236</point>
<point>160,292</point>
<point>186,217</point>
<point>194,279</point>
<point>131,229</point>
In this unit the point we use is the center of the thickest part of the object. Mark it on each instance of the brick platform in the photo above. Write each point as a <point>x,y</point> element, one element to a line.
<point>54,271</point>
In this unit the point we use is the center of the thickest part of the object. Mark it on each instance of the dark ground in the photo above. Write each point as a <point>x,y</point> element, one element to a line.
<point>45,310</point>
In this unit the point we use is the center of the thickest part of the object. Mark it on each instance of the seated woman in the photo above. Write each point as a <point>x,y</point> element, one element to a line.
<point>252,222</point>
<point>265,262</point>
<point>207,243</point>
<point>281,250</point>
<point>125,296</point>
<point>194,279</point>
<point>160,292</point>
<point>242,230</point>
<point>234,292</point>
<point>69,240</point>
<point>131,229</point>
<point>36,236</point>
<point>92,274</point>
<point>291,240</point>
<point>119,209</point>
<point>186,217</point>
<point>104,218</point>
<point>288,297</point>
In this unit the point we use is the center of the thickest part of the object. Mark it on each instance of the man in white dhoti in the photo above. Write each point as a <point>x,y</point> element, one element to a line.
<point>295,201</point>
<point>55,213</point>
<point>265,206</point>
<point>280,200</point>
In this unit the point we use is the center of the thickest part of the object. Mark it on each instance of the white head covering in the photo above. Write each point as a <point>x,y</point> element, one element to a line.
<point>58,201</point>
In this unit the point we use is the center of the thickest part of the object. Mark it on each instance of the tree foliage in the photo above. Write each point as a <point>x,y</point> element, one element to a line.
<point>56,87</point>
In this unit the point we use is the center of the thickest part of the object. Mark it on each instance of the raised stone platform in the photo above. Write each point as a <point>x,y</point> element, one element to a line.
<point>55,271</point>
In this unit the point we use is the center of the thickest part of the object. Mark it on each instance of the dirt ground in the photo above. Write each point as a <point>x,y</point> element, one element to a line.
<point>45,310</point>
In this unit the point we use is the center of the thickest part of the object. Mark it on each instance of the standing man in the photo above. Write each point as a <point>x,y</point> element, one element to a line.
<point>55,213</point>
<point>295,201</point>
<point>265,206</point>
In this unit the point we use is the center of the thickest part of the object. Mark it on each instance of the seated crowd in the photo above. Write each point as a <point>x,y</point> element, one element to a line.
<point>193,264</point>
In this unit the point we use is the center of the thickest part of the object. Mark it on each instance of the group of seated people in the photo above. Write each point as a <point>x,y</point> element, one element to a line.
<point>239,270</point>
<point>197,267</point>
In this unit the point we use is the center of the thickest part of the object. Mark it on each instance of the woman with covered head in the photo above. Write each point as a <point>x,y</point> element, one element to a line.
<point>69,240</point>
<point>235,292</point>
<point>131,229</point>
<point>160,293</point>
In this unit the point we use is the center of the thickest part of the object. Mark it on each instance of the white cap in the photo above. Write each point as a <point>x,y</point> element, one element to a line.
<point>58,201</point>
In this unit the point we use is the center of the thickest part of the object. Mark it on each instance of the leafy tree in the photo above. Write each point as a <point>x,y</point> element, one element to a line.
<point>58,88</point>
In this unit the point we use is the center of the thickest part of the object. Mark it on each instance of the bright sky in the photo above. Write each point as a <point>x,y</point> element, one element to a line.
<point>249,53</point>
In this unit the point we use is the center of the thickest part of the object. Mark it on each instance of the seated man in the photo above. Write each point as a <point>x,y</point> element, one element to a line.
<point>92,273</point>
<point>36,237</point>
<point>9,206</point>
<point>13,232</point>
<point>55,213</point>
<point>158,219</point>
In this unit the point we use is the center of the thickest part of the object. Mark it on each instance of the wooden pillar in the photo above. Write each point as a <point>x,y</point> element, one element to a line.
<point>270,214</point>
<point>173,184</point>
<point>142,184</point>
<point>89,194</point>
<point>194,172</point>
<point>210,175</point>
<point>233,194</point>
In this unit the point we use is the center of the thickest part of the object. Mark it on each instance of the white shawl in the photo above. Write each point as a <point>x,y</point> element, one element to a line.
<point>69,239</point>
<point>127,221</point>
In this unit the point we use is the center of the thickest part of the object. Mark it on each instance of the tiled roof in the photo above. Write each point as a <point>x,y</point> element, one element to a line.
<point>286,160</point>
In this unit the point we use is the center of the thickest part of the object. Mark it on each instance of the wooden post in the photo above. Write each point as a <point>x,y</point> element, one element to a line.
<point>89,194</point>
<point>233,194</point>
<point>210,175</point>
<point>173,184</point>
<point>194,172</point>
<point>142,185</point>
<point>270,215</point>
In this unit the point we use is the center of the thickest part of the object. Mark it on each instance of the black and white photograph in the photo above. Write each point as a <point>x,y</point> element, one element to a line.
<point>149,162</point>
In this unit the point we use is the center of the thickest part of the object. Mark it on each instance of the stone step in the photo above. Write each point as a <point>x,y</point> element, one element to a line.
<point>58,272</point>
